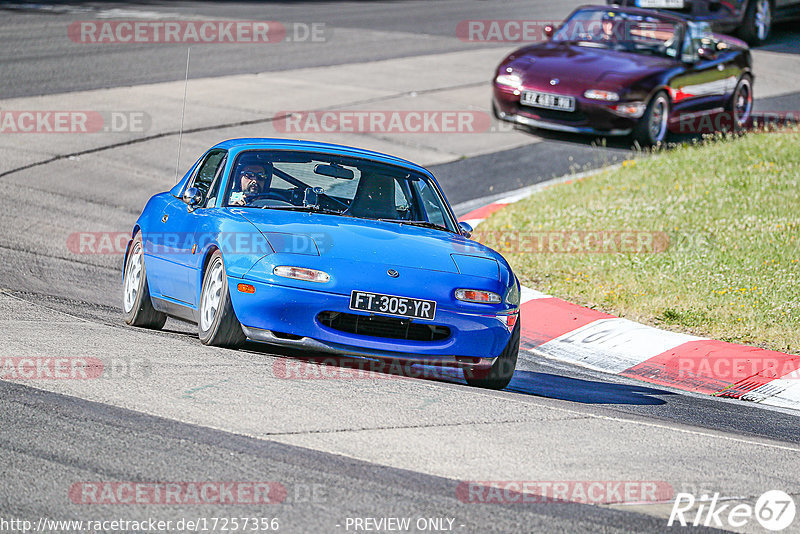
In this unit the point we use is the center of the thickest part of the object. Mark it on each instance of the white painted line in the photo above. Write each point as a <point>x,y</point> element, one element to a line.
<point>613,345</point>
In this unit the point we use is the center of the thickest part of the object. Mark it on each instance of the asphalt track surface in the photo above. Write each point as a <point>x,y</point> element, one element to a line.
<point>342,448</point>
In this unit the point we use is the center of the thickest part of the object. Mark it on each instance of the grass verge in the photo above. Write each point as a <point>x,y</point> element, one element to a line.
<point>707,240</point>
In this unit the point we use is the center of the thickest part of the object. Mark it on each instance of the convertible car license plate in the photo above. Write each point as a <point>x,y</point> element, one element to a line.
<point>548,101</point>
<point>392,305</point>
<point>668,4</point>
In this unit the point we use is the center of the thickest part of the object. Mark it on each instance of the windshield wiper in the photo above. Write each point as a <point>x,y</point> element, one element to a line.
<point>309,209</point>
<point>423,224</point>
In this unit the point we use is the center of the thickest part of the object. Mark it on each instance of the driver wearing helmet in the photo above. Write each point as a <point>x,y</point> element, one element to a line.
<point>612,27</point>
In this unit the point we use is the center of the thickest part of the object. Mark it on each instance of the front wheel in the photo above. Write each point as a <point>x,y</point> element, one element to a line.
<point>757,23</point>
<point>218,325</point>
<point>651,130</point>
<point>502,370</point>
<point>740,106</point>
<point>136,304</point>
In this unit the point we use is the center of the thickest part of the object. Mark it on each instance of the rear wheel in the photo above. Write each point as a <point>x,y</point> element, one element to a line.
<point>136,304</point>
<point>740,106</point>
<point>502,370</point>
<point>651,130</point>
<point>757,23</point>
<point>218,325</point>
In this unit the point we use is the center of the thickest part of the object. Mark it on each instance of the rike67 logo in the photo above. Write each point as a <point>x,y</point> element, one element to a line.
<point>774,510</point>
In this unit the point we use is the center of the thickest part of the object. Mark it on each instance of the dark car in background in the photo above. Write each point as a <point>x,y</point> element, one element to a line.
<point>621,71</point>
<point>751,19</point>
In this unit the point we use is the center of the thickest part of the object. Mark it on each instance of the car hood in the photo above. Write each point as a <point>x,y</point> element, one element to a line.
<point>575,65</point>
<point>370,241</point>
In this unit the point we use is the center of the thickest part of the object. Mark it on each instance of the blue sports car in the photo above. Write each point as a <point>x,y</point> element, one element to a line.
<point>325,248</point>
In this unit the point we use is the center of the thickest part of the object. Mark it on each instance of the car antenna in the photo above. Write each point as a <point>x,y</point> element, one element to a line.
<point>183,112</point>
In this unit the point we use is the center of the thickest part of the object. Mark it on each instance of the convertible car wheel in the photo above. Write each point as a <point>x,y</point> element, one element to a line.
<point>651,130</point>
<point>136,304</point>
<point>740,105</point>
<point>218,325</point>
<point>757,23</point>
<point>502,370</point>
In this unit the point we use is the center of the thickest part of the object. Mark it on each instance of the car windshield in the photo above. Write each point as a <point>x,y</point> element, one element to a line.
<point>336,185</point>
<point>626,32</point>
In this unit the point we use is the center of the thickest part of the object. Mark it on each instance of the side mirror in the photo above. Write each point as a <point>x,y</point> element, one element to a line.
<point>549,31</point>
<point>466,229</point>
<point>193,197</point>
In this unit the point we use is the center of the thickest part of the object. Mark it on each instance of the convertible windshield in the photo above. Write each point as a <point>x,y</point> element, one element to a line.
<point>335,185</point>
<point>626,32</point>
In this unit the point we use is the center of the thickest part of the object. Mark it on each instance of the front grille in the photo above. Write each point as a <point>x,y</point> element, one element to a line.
<point>386,327</point>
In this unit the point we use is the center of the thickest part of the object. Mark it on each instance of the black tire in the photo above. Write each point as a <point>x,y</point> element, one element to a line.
<point>502,370</point>
<point>652,128</point>
<point>137,308</point>
<point>740,107</point>
<point>757,23</point>
<point>217,325</point>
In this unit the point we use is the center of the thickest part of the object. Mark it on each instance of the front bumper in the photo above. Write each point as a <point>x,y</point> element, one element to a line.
<point>590,116</point>
<point>287,316</point>
<point>307,343</point>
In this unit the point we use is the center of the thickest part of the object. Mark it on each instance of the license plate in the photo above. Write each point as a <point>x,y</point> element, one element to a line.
<point>668,4</point>
<point>546,100</point>
<point>393,305</point>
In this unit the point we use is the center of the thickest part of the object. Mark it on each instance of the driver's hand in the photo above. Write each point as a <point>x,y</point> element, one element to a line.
<point>238,202</point>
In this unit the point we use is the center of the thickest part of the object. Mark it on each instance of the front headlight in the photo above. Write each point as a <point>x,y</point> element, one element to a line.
<point>510,79</point>
<point>600,94</point>
<point>477,295</point>
<point>301,273</point>
<point>629,109</point>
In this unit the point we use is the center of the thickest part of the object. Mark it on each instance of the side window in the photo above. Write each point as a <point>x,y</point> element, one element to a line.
<point>695,35</point>
<point>212,194</point>
<point>207,171</point>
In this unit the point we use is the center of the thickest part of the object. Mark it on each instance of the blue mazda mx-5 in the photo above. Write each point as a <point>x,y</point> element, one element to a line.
<point>327,248</point>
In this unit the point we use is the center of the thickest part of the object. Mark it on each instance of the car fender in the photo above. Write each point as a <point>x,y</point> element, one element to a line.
<point>135,231</point>
<point>237,262</point>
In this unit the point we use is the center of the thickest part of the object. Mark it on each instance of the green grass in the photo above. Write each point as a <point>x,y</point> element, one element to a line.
<point>731,267</point>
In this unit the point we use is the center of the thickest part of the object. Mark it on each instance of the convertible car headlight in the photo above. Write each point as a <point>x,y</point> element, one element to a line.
<point>599,94</point>
<point>477,295</point>
<point>509,79</point>
<point>301,273</point>
<point>629,109</point>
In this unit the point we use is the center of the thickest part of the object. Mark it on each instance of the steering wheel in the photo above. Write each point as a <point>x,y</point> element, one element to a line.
<point>273,195</point>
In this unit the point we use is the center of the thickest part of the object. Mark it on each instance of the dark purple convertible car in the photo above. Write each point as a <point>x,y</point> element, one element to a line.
<point>623,71</point>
